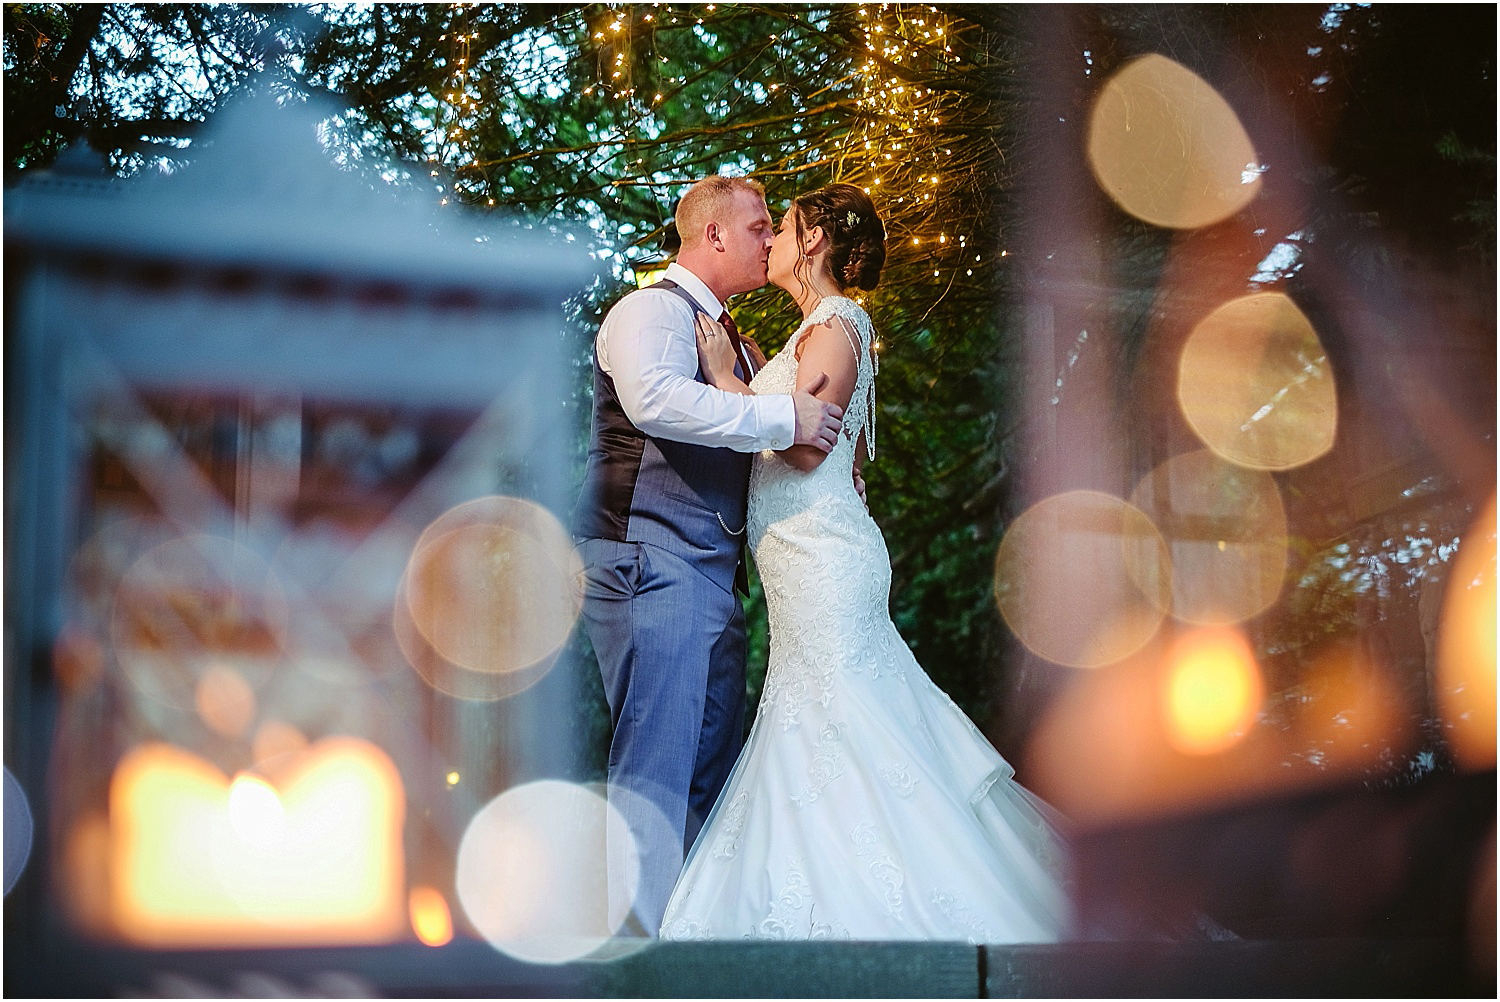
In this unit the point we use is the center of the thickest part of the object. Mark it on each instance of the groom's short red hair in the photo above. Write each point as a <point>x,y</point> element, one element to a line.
<point>704,201</point>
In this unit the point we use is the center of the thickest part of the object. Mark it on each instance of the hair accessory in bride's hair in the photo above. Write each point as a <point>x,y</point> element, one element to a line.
<point>852,219</point>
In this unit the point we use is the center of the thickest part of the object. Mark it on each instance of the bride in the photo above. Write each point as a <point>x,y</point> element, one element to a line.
<point>865,805</point>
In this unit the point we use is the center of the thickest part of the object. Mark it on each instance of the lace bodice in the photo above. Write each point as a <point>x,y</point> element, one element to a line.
<point>777,489</point>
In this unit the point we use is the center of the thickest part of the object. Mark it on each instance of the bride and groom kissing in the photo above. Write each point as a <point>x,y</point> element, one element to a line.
<point>864,804</point>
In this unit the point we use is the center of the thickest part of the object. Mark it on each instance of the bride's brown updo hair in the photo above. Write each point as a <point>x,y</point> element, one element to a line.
<point>855,233</point>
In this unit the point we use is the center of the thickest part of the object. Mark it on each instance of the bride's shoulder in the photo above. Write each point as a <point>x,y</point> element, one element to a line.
<point>838,306</point>
<point>836,318</point>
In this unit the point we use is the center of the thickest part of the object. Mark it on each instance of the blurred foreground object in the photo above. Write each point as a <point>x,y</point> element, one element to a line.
<point>1466,647</point>
<point>199,860</point>
<point>238,392</point>
<point>1284,377</point>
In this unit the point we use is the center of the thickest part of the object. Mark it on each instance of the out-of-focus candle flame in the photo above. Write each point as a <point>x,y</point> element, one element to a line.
<point>1112,746</point>
<point>255,811</point>
<point>196,861</point>
<point>83,876</point>
<point>1466,647</point>
<point>1213,690</point>
<point>430,918</point>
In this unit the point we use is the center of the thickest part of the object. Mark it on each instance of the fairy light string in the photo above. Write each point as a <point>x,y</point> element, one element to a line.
<point>891,106</point>
<point>902,148</point>
<point>457,113</point>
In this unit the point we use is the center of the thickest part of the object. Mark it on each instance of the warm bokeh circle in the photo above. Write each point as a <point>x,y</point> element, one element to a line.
<point>1083,578</point>
<point>1168,149</point>
<point>489,597</point>
<point>1255,384</point>
<point>1226,530</point>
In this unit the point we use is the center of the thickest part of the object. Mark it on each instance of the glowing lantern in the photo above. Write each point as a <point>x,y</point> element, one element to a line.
<point>1172,729</point>
<point>196,860</point>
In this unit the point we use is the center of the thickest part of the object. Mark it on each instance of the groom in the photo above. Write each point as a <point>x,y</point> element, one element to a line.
<point>661,523</point>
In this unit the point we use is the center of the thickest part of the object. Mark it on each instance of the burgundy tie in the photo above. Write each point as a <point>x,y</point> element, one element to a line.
<point>739,345</point>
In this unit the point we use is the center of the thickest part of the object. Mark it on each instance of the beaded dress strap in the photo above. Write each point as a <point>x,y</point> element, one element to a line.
<point>868,365</point>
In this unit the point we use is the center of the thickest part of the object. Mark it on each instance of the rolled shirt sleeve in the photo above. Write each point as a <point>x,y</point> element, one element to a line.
<point>648,347</point>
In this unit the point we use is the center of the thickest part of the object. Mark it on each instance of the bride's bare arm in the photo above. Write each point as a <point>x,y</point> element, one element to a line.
<point>825,349</point>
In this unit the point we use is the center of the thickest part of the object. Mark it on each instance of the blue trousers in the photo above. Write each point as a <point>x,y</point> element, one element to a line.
<point>671,650</point>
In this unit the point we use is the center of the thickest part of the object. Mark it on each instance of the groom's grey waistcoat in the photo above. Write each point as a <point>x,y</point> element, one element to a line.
<point>689,499</point>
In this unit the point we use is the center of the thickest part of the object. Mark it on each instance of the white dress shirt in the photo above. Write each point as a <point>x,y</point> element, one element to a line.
<point>648,346</point>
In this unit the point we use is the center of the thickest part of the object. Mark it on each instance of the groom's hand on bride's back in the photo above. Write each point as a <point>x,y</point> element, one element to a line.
<point>818,421</point>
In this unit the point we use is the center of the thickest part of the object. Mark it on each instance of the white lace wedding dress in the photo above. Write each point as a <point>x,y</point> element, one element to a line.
<point>865,805</point>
